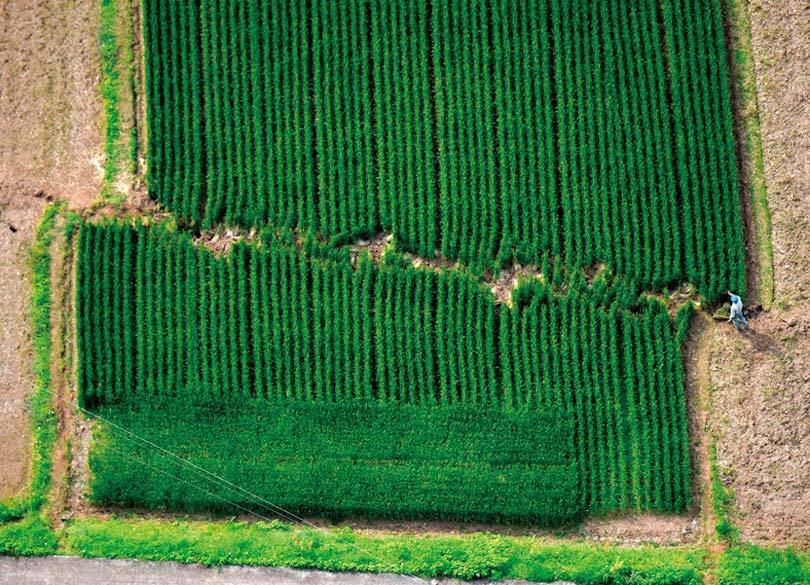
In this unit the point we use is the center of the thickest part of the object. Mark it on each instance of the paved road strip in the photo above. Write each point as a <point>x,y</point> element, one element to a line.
<point>59,570</point>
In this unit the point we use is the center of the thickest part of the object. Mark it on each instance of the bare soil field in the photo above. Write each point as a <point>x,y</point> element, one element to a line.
<point>760,381</point>
<point>50,146</point>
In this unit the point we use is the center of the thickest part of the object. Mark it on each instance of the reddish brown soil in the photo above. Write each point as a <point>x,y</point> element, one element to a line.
<point>761,380</point>
<point>50,147</point>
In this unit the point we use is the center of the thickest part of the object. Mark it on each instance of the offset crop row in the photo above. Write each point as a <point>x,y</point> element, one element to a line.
<point>485,130</point>
<point>711,216</point>
<point>160,318</point>
<point>344,458</point>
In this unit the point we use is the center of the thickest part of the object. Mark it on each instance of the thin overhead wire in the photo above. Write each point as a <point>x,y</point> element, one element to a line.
<point>214,478</point>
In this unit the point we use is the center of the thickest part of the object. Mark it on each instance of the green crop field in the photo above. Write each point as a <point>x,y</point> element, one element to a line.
<point>564,402</point>
<point>565,134</point>
<point>484,130</point>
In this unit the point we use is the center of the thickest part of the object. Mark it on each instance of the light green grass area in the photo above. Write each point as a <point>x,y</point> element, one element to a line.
<point>117,86</point>
<point>31,537</point>
<point>751,565</point>
<point>460,556</point>
<point>722,500</point>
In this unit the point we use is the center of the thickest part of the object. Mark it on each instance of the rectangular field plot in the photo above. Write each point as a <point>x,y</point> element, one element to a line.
<point>271,326</point>
<point>346,459</point>
<point>484,130</point>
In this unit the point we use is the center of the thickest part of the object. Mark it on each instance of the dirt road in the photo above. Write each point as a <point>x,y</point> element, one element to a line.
<point>77,571</point>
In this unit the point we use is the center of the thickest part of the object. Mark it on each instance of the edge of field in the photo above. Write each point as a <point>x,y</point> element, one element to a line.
<point>748,146</point>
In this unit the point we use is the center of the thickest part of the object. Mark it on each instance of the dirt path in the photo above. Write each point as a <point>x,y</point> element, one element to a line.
<point>16,353</point>
<point>50,146</point>
<point>77,571</point>
<point>761,380</point>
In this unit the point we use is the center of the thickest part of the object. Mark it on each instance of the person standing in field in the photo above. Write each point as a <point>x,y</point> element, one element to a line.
<point>737,318</point>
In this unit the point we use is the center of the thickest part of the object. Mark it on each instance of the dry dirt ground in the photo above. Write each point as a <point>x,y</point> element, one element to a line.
<point>760,401</point>
<point>50,146</point>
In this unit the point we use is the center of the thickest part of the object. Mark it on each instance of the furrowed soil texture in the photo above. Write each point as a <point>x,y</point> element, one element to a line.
<point>761,403</point>
<point>49,147</point>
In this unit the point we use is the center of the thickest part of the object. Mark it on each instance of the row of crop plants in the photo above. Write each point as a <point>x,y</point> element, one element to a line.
<point>713,246</point>
<point>484,131</point>
<point>162,319</point>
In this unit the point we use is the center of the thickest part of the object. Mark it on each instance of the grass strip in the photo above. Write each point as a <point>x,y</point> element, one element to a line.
<point>752,565</point>
<point>117,88</point>
<point>470,556</point>
<point>749,140</point>
<point>43,419</point>
<point>31,537</point>
<point>722,501</point>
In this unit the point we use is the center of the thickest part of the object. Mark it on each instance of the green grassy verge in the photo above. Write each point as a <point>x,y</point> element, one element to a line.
<point>43,419</point>
<point>467,556</point>
<point>31,537</point>
<point>462,556</point>
<point>117,86</point>
<point>722,500</point>
<point>750,146</point>
<point>751,565</point>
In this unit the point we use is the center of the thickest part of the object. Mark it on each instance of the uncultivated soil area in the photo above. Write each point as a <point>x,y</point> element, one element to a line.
<point>760,403</point>
<point>50,147</point>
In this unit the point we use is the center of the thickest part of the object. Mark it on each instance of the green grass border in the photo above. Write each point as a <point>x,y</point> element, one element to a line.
<point>459,556</point>
<point>722,499</point>
<point>738,26</point>
<point>472,556</point>
<point>115,41</point>
<point>31,537</point>
<point>42,416</point>
<point>752,565</point>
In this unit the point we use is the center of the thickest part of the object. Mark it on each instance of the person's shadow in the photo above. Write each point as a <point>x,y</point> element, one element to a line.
<point>763,343</point>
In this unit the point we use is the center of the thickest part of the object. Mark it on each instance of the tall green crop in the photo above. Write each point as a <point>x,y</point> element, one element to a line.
<point>160,319</point>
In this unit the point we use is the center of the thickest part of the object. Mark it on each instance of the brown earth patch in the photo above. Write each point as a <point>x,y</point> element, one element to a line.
<point>50,147</point>
<point>761,379</point>
<point>760,413</point>
<point>16,352</point>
